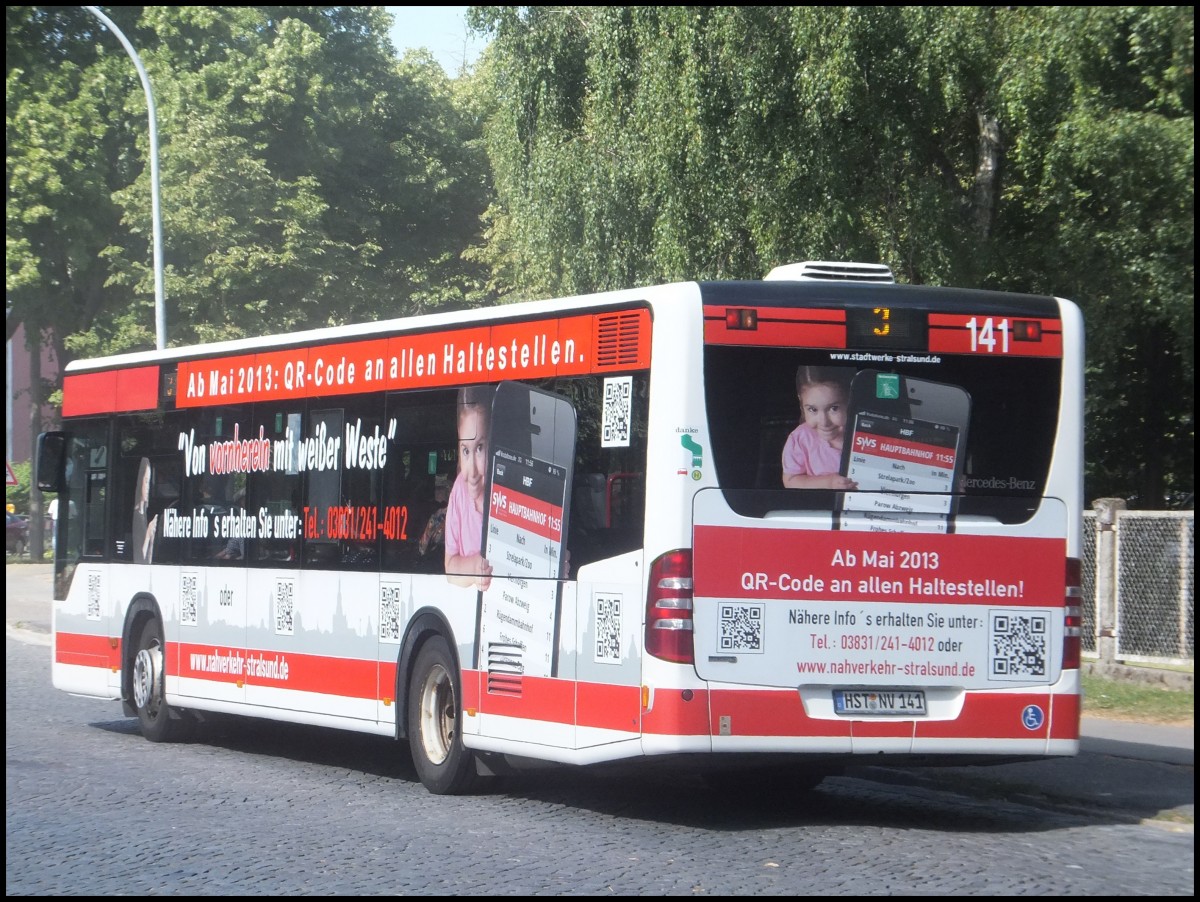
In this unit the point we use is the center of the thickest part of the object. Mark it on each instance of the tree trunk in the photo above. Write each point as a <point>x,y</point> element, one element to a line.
<point>986,189</point>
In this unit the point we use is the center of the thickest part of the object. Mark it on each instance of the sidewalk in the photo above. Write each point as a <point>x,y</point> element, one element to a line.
<point>1131,767</point>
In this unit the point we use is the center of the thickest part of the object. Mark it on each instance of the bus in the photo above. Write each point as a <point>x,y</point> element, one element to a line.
<point>763,525</point>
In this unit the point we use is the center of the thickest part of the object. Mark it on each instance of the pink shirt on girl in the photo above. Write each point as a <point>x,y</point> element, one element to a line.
<point>806,454</point>
<point>464,524</point>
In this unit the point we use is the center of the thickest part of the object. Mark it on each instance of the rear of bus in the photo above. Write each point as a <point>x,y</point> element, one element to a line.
<point>932,611</point>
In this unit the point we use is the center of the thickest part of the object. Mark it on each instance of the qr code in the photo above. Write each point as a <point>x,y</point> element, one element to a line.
<point>608,630</point>
<point>1019,643</point>
<point>189,591</point>
<point>389,612</point>
<point>618,403</point>
<point>93,596</point>
<point>285,602</point>
<point>740,628</point>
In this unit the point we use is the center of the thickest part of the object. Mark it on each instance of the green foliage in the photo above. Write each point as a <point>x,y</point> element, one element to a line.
<point>309,179</point>
<point>1037,149</point>
<point>306,177</point>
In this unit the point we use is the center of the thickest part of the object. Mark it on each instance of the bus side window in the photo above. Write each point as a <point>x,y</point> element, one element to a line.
<point>96,506</point>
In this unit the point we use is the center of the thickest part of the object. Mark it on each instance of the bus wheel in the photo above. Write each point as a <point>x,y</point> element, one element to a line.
<point>435,722</point>
<point>159,722</point>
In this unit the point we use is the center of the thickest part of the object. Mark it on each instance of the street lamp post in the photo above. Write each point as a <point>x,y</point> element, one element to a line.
<point>160,316</point>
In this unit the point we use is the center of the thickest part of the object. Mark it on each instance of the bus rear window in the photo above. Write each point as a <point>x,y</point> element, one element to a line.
<point>1004,410</point>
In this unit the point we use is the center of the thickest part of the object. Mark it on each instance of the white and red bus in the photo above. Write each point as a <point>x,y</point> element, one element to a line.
<point>248,530</point>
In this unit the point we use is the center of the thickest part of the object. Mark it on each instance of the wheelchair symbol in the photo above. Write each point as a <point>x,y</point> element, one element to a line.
<point>1032,717</point>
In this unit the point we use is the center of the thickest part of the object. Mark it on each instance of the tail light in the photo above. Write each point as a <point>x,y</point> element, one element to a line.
<point>669,627</point>
<point>1073,615</point>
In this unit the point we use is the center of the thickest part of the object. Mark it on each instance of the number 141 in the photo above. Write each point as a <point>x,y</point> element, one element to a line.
<point>983,335</point>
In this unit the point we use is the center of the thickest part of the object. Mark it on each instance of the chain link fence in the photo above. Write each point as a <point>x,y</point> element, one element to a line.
<point>1139,590</point>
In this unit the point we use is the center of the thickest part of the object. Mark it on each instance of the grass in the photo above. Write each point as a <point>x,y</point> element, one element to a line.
<point>1124,700</point>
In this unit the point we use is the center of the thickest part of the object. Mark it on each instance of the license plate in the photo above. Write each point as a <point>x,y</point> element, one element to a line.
<point>877,702</point>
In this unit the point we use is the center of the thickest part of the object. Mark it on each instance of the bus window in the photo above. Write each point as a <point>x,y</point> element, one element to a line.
<point>147,477</point>
<point>85,500</point>
<point>753,407</point>
<point>422,455</point>
<point>609,496</point>
<point>273,495</point>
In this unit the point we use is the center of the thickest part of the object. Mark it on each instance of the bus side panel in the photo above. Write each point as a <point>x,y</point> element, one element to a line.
<point>593,698</point>
<point>205,622</point>
<point>84,657</point>
<point>312,643</point>
<point>607,635</point>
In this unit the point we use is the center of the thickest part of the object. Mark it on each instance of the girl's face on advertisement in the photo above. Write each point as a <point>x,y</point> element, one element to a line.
<point>472,452</point>
<point>824,408</point>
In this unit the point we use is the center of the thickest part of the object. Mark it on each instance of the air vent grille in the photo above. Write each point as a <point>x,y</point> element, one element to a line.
<point>504,669</point>
<point>618,338</point>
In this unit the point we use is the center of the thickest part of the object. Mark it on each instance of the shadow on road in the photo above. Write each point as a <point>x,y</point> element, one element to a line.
<point>1092,789</point>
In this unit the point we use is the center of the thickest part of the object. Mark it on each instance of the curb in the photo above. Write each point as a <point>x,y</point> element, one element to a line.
<point>1177,680</point>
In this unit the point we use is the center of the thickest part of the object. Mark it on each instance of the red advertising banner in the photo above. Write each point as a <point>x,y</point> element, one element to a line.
<point>891,567</point>
<point>530,350</point>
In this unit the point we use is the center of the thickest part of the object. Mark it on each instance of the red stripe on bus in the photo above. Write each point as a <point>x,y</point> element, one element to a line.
<point>950,334</point>
<point>87,650</point>
<point>565,346</point>
<point>112,391</point>
<point>673,715</point>
<point>778,327</point>
<point>541,698</point>
<point>778,335</point>
<point>1064,716</point>
<point>674,712</point>
<point>345,677</point>
<point>714,312</point>
<point>608,707</point>
<point>991,715</point>
<point>770,713</point>
<point>984,715</point>
<point>597,705</point>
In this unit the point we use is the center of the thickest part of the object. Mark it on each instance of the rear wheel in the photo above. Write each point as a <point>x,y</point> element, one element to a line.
<point>435,722</point>
<point>159,722</point>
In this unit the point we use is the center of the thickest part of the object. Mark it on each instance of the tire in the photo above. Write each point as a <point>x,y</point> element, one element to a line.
<point>435,722</point>
<point>160,723</point>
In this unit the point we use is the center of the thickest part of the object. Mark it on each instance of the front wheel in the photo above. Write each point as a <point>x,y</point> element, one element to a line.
<point>435,722</point>
<point>159,722</point>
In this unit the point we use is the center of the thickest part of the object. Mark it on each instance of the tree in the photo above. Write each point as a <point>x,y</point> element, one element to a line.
<point>1041,149</point>
<point>307,177</point>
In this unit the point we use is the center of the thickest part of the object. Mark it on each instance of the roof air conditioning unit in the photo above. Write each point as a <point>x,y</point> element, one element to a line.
<point>823,271</point>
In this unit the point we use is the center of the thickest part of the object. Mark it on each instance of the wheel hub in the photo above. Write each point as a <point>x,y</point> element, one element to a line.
<point>146,667</point>
<point>437,715</point>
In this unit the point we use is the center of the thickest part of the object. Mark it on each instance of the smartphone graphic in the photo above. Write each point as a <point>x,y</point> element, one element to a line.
<point>532,449</point>
<point>905,449</point>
